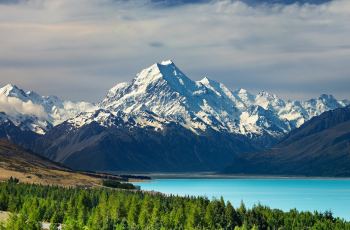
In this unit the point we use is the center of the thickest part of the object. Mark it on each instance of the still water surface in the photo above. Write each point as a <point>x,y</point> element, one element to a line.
<point>284,194</point>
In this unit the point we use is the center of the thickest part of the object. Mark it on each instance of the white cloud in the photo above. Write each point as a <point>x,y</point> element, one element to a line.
<point>14,107</point>
<point>94,45</point>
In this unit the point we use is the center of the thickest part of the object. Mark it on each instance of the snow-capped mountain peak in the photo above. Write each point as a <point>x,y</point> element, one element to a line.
<point>13,91</point>
<point>169,62</point>
<point>328,99</point>
<point>34,96</point>
<point>269,101</point>
<point>166,91</point>
<point>165,73</point>
<point>37,113</point>
<point>206,81</point>
<point>267,96</point>
<point>8,88</point>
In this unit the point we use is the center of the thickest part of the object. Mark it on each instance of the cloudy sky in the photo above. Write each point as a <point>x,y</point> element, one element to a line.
<point>79,49</point>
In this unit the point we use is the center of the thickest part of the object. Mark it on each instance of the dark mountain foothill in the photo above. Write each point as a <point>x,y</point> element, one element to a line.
<point>174,148</point>
<point>320,147</point>
<point>17,153</point>
<point>10,132</point>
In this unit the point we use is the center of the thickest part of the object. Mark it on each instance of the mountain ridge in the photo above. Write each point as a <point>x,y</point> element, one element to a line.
<point>32,114</point>
<point>320,147</point>
<point>166,91</point>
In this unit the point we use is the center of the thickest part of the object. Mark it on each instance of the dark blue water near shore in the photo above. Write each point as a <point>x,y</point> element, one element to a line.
<point>284,194</point>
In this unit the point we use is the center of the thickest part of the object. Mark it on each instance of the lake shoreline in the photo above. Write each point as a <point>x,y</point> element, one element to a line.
<point>213,175</point>
<point>304,194</point>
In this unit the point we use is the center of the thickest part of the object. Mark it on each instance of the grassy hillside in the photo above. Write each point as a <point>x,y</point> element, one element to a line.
<point>31,167</point>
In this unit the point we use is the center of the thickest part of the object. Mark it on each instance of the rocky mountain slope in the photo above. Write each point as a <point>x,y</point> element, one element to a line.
<point>320,147</point>
<point>164,121</point>
<point>126,145</point>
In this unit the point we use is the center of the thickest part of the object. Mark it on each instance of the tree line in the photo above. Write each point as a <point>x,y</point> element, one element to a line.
<point>104,209</point>
<point>117,184</point>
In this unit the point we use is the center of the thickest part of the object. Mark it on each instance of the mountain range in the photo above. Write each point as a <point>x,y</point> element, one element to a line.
<point>27,116</point>
<point>159,121</point>
<point>319,147</point>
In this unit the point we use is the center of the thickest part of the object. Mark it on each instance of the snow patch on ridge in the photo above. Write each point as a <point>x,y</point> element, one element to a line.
<point>169,62</point>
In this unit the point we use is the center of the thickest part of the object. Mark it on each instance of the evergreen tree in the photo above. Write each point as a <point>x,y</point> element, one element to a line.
<point>73,224</point>
<point>146,212</point>
<point>193,218</point>
<point>156,215</point>
<point>3,201</point>
<point>179,220</point>
<point>231,216</point>
<point>54,221</point>
<point>96,220</point>
<point>133,211</point>
<point>111,209</point>
<point>210,217</point>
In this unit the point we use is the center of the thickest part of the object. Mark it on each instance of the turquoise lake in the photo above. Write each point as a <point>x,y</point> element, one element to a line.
<point>284,194</point>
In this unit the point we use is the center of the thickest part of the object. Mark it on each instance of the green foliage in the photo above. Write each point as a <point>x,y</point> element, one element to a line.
<point>72,224</point>
<point>13,180</point>
<point>105,209</point>
<point>117,184</point>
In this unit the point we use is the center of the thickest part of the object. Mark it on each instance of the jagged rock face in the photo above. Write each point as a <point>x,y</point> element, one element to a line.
<point>320,147</point>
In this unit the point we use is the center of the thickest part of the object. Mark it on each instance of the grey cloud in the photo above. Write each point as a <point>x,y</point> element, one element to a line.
<point>6,2</point>
<point>286,2</point>
<point>79,49</point>
<point>156,44</point>
<point>344,47</point>
<point>176,3</point>
<point>127,18</point>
